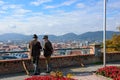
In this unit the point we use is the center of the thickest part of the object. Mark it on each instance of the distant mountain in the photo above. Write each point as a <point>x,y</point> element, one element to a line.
<point>98,35</point>
<point>91,36</point>
<point>68,36</point>
<point>12,36</point>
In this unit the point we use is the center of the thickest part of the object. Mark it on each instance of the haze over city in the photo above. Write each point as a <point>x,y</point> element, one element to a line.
<point>57,16</point>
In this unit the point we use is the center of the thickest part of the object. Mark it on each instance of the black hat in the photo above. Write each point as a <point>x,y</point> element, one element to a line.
<point>35,36</point>
<point>45,37</point>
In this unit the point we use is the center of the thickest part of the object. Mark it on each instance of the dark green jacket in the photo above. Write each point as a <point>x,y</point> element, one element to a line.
<point>48,49</point>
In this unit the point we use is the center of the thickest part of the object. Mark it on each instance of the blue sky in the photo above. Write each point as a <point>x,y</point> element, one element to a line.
<point>57,16</point>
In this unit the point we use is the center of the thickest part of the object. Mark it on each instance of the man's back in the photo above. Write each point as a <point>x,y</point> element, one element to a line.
<point>35,47</point>
<point>48,46</point>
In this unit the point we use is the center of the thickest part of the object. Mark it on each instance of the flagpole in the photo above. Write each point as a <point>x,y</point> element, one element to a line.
<point>104,34</point>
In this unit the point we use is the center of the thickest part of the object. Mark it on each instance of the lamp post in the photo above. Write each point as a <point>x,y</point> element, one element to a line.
<point>104,34</point>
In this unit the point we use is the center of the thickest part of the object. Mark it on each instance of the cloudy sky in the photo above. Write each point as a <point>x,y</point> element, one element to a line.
<point>57,16</point>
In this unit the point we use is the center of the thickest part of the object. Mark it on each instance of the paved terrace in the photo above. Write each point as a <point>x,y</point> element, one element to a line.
<point>80,73</point>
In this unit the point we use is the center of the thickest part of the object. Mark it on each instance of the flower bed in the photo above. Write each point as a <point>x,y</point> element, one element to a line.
<point>110,71</point>
<point>48,78</point>
<point>58,75</point>
<point>118,78</point>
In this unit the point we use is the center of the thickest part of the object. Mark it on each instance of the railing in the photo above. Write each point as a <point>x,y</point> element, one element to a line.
<point>14,52</point>
<point>57,52</point>
<point>13,55</point>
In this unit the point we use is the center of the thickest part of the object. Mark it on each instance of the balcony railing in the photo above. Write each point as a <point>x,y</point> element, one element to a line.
<point>57,52</point>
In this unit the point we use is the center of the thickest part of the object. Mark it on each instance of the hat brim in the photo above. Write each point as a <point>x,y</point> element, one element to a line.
<point>44,38</point>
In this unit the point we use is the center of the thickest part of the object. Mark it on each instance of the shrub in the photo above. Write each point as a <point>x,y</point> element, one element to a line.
<point>110,71</point>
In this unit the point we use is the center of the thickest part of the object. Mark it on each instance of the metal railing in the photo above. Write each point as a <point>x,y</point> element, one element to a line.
<point>57,52</point>
<point>13,52</point>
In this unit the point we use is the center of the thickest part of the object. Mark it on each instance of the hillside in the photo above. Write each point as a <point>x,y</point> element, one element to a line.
<point>91,36</point>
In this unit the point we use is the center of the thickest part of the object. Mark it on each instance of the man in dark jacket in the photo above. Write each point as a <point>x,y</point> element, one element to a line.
<point>48,50</point>
<point>35,48</point>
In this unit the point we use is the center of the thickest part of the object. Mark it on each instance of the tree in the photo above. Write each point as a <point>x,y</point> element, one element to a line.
<point>113,44</point>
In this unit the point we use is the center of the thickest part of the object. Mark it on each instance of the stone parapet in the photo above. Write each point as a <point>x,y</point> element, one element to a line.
<point>15,66</point>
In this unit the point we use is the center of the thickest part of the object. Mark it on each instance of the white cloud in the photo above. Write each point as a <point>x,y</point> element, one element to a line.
<point>4,7</point>
<point>54,24</point>
<point>113,22</point>
<point>21,11</point>
<point>2,12</point>
<point>114,4</point>
<point>10,6</point>
<point>1,2</point>
<point>13,10</point>
<point>66,3</point>
<point>39,2</point>
<point>60,22</point>
<point>13,6</point>
<point>50,7</point>
<point>80,5</point>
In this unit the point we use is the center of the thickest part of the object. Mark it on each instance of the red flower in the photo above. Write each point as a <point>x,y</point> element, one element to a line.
<point>110,71</point>
<point>47,78</point>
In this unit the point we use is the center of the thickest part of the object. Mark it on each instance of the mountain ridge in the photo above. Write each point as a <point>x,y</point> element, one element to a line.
<point>90,36</point>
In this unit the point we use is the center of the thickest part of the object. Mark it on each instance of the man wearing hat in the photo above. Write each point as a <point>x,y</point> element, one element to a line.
<point>35,48</point>
<point>48,50</point>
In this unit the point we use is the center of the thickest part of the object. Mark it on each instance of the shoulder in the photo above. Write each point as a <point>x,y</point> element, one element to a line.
<point>38,42</point>
<point>49,41</point>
